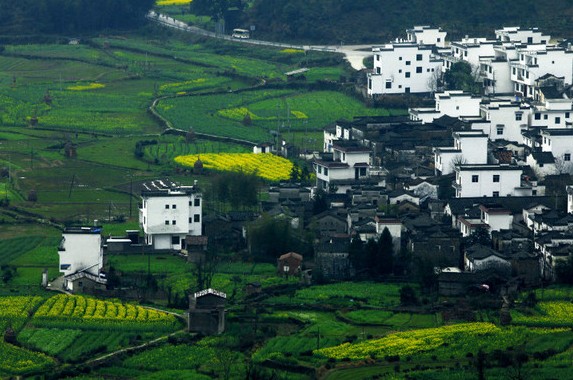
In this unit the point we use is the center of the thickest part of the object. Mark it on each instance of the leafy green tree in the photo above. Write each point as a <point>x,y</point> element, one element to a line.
<point>295,173</point>
<point>408,296</point>
<point>240,189</point>
<point>479,236</point>
<point>356,254</point>
<point>461,76</point>
<point>385,259</point>
<point>216,9</point>
<point>320,204</point>
<point>564,271</point>
<point>268,238</point>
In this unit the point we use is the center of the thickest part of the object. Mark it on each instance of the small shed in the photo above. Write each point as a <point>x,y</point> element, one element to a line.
<point>84,282</point>
<point>207,312</point>
<point>289,264</point>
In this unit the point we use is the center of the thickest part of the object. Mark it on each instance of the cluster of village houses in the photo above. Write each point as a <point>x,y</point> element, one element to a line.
<point>505,158</point>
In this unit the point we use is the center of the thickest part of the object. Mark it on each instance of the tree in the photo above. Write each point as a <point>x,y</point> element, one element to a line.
<point>562,166</point>
<point>294,175</point>
<point>385,260</point>
<point>408,296</point>
<point>434,83</point>
<point>205,270</point>
<point>462,76</point>
<point>320,204</point>
<point>240,189</point>
<point>269,237</point>
<point>457,160</point>
<point>247,121</point>
<point>479,236</point>
<point>356,254</point>
<point>564,270</point>
<point>32,196</point>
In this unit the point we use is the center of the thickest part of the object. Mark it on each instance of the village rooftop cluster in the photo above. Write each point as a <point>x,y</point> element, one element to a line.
<point>478,186</point>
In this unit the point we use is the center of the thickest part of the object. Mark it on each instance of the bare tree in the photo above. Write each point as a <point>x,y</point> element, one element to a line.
<point>562,166</point>
<point>434,83</point>
<point>458,159</point>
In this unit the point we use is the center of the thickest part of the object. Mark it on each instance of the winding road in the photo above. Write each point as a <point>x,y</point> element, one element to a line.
<point>354,54</point>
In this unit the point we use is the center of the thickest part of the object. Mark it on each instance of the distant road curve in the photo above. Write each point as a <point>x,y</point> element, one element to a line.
<point>354,54</point>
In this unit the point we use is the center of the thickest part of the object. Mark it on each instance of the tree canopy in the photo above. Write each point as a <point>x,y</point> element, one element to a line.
<point>70,17</point>
<point>368,21</point>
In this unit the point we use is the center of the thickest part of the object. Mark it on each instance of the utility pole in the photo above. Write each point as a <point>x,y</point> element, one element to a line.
<point>130,193</point>
<point>71,186</point>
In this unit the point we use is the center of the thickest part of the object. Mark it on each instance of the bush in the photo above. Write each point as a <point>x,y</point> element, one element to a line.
<point>408,296</point>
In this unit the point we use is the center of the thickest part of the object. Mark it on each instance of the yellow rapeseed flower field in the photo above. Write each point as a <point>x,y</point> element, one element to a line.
<point>265,165</point>
<point>173,2</point>
<point>91,86</point>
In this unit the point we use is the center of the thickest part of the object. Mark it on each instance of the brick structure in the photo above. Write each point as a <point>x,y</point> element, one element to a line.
<point>207,312</point>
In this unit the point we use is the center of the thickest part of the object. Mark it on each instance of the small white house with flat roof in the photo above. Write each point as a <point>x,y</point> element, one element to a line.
<point>427,35</point>
<point>81,257</point>
<point>349,164</point>
<point>489,181</point>
<point>521,35</point>
<point>170,212</point>
<point>506,119</point>
<point>402,68</point>
<point>454,103</point>
<point>560,143</point>
<point>470,147</point>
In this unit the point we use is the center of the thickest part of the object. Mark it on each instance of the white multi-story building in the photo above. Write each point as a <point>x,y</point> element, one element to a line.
<point>542,163</point>
<point>495,72</point>
<point>350,163</point>
<point>551,109</point>
<point>525,36</point>
<point>81,250</point>
<point>560,143</point>
<point>402,68</point>
<point>454,103</point>
<point>169,213</point>
<point>504,119</point>
<point>489,181</point>
<point>535,61</point>
<point>81,258</point>
<point>470,147</point>
<point>469,50</point>
<point>427,35</point>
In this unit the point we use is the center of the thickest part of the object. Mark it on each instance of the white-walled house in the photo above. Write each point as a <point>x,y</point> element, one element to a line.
<point>489,181</point>
<point>496,217</point>
<point>169,213</point>
<point>536,61</point>
<point>550,109</point>
<point>542,163</point>
<point>495,74</point>
<point>469,50</point>
<point>349,164</point>
<point>81,250</point>
<point>427,35</point>
<point>468,226</point>
<point>81,257</point>
<point>560,143</point>
<point>522,35</point>
<point>470,147</point>
<point>394,227</point>
<point>506,119</point>
<point>454,103</point>
<point>402,68</point>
